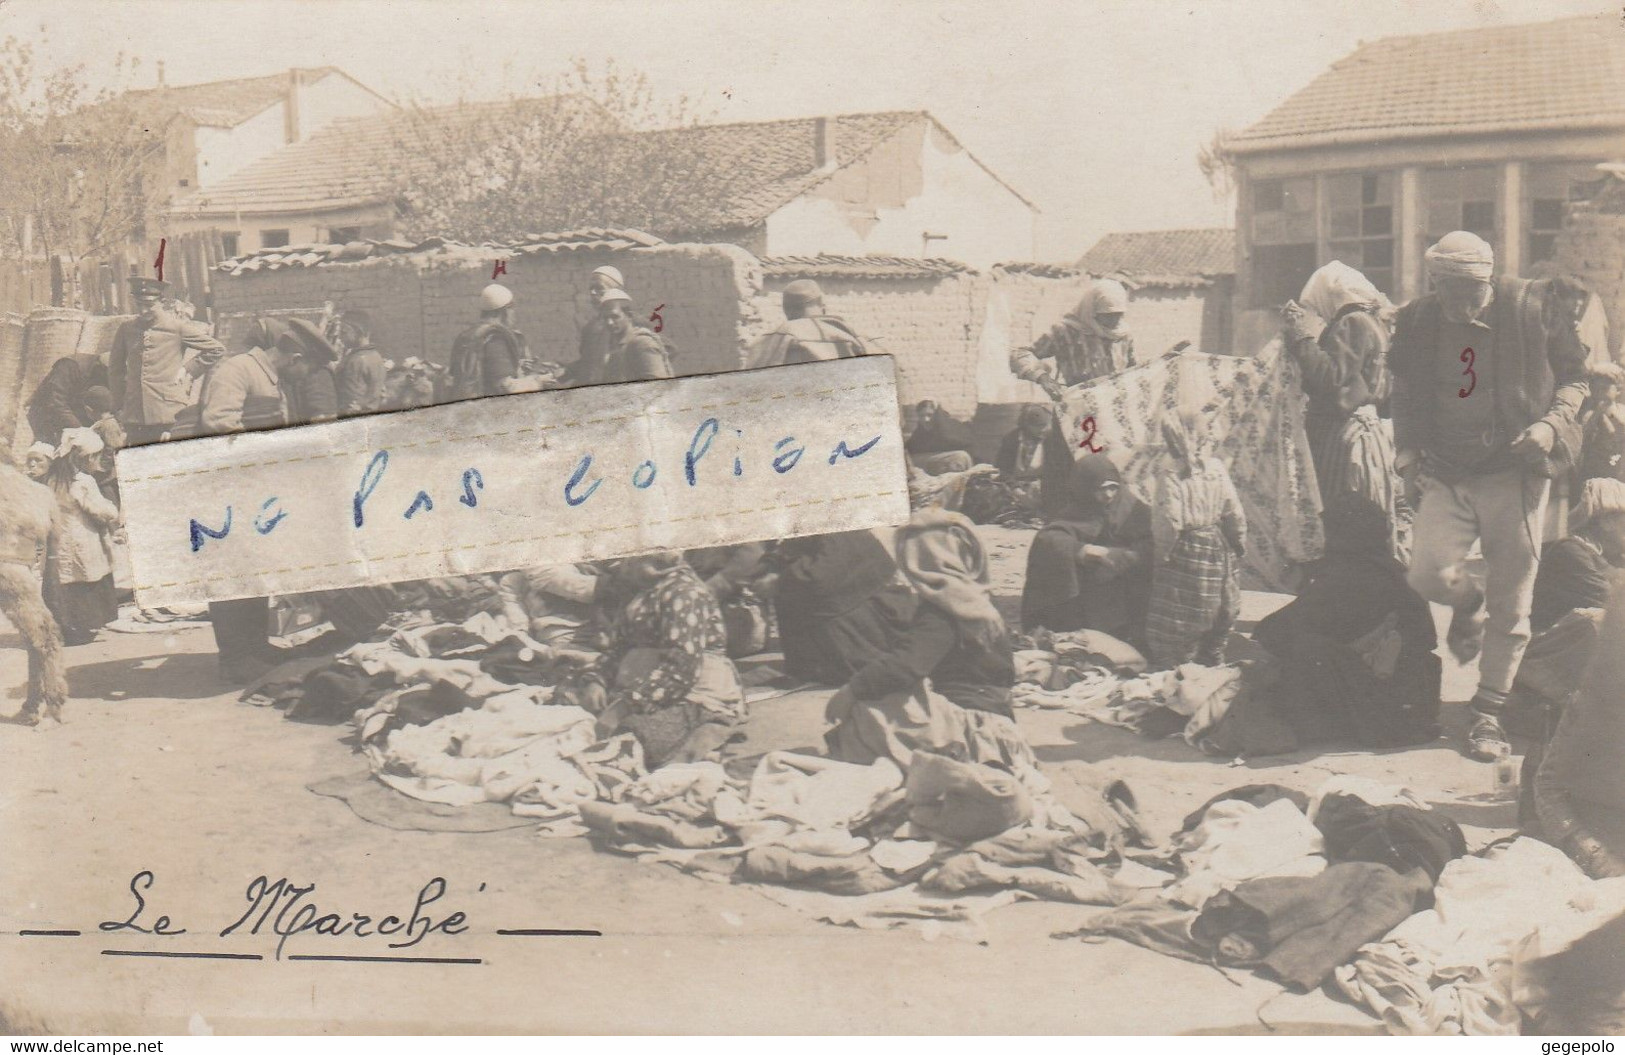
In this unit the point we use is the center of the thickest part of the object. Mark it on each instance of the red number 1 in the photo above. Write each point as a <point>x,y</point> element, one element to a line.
<point>1468,357</point>
<point>159,263</point>
<point>1088,427</point>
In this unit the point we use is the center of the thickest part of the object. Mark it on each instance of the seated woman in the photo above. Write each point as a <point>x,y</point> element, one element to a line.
<point>958,641</point>
<point>551,603</point>
<point>1356,646</point>
<point>839,604</point>
<point>1571,590</point>
<point>1021,452</point>
<point>1580,785</point>
<point>666,677</point>
<point>1014,495</point>
<point>1091,569</point>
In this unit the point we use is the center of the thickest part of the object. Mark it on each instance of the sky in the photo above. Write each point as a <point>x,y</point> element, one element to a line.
<point>1093,109</point>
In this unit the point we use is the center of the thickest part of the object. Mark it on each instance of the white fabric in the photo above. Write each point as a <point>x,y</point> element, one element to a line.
<point>1334,287</point>
<point>1237,841</point>
<point>1461,254</point>
<point>611,273</point>
<point>1370,792</point>
<point>495,297</point>
<point>810,791</point>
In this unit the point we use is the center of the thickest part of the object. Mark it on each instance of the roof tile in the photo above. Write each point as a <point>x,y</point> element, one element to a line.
<point>1164,258</point>
<point>1568,73</point>
<point>829,265</point>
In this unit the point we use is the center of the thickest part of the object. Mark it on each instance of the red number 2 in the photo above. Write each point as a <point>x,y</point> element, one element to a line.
<point>1088,427</point>
<point>1468,357</point>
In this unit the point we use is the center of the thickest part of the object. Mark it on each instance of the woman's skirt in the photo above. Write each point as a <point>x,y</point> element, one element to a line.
<point>713,706</point>
<point>1356,456</point>
<point>831,649</point>
<point>1195,594</point>
<point>81,608</point>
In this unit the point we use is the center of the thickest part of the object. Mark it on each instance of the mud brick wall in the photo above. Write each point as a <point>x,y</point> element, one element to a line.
<point>420,302</point>
<point>929,325</point>
<point>1591,247</point>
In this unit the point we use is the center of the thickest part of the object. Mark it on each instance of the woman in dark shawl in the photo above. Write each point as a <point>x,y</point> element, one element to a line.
<point>1090,569</point>
<point>1356,645</point>
<point>55,403</point>
<point>839,604</point>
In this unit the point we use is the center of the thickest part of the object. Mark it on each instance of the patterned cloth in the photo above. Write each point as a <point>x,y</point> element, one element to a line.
<point>1195,595</point>
<point>1254,411</point>
<point>678,618</point>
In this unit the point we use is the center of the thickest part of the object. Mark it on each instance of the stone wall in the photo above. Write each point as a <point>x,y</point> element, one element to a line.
<point>419,302</point>
<point>1591,247</point>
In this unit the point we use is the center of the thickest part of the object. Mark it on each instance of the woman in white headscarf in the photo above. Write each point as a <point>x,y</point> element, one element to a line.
<point>79,565</point>
<point>1088,342</point>
<point>1338,334</point>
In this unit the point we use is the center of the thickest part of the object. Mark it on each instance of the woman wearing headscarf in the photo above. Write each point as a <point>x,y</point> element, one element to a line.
<point>666,677</point>
<point>839,604</point>
<point>1091,569</point>
<point>55,403</point>
<point>1571,592</point>
<point>1199,536</point>
<point>945,689</point>
<point>1356,646</point>
<point>1341,346</point>
<point>1087,343</point>
<point>79,567</point>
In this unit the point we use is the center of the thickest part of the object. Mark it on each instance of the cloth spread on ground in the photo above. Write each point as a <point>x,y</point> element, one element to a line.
<point>1452,969</point>
<point>1254,409</point>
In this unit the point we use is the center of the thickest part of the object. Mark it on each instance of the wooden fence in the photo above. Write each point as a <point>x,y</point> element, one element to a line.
<point>100,285</point>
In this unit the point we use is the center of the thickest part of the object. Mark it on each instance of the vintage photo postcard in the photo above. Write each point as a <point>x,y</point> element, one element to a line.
<point>712,517</point>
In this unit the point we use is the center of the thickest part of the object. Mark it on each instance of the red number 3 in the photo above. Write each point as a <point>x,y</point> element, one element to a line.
<point>1088,427</point>
<point>1468,357</point>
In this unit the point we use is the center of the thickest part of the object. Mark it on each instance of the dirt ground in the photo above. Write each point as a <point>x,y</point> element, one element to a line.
<point>160,768</point>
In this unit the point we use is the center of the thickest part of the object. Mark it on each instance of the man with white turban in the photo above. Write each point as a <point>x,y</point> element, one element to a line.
<point>1087,343</point>
<point>1481,390</point>
<point>596,339</point>
<point>1337,335</point>
<point>488,353</point>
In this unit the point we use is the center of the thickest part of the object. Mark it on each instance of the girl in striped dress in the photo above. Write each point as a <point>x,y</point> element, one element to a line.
<point>1198,537</point>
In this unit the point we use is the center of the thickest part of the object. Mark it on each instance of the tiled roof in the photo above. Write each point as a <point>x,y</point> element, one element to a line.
<point>828,265</point>
<point>1164,258</point>
<point>601,239</point>
<point>1028,267</point>
<point>351,161</point>
<point>741,172</point>
<point>222,103</point>
<point>1550,75</point>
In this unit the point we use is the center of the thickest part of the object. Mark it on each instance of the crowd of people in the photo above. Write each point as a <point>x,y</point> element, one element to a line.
<point>1438,433</point>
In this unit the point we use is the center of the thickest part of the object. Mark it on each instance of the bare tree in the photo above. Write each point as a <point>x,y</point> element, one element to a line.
<point>1218,165</point>
<point>598,150</point>
<point>75,168</point>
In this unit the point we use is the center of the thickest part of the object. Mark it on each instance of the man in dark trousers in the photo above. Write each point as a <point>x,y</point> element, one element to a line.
<point>808,334</point>
<point>154,359</point>
<point>1482,389</point>
<point>489,352</point>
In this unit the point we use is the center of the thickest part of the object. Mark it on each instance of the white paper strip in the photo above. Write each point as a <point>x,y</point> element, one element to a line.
<point>517,481</point>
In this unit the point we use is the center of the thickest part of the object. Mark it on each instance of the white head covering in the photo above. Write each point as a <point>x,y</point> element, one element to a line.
<point>1336,286</point>
<point>1601,497</point>
<point>611,273</point>
<point>495,297</point>
<point>611,295</point>
<point>1103,297</point>
<point>42,448</point>
<point>1461,254</point>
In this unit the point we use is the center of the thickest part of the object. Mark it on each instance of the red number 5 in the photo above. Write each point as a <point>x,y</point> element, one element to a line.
<point>655,317</point>
<point>1088,427</point>
<point>1468,357</point>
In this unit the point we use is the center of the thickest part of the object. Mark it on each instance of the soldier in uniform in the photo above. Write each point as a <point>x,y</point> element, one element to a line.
<point>597,340</point>
<point>808,334</point>
<point>154,359</point>
<point>489,352</point>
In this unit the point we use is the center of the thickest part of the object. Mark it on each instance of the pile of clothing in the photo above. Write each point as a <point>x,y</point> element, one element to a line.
<point>944,838</point>
<point>1294,885</point>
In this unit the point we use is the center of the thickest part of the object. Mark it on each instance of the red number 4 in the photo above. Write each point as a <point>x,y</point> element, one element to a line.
<point>1469,357</point>
<point>1088,427</point>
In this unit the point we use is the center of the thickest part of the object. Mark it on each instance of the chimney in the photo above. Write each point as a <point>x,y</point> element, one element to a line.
<point>824,145</point>
<point>160,73</point>
<point>290,106</point>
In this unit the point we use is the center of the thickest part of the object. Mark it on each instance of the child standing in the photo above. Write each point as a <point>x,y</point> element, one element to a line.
<point>79,570</point>
<point>1198,537</point>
